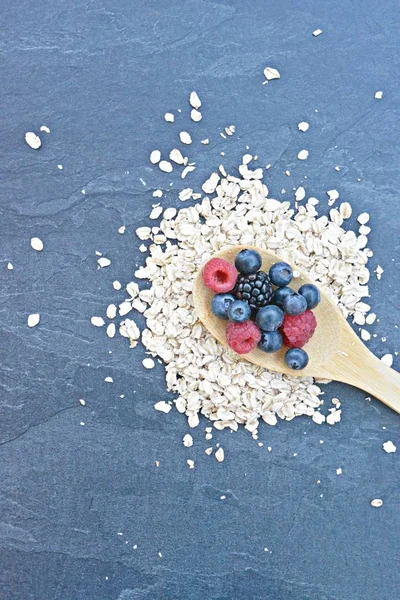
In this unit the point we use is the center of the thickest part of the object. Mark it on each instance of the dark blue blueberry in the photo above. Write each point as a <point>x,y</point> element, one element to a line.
<point>280,294</point>
<point>269,318</point>
<point>271,341</point>
<point>296,358</point>
<point>281,274</point>
<point>248,262</point>
<point>220,304</point>
<point>239,311</point>
<point>294,304</point>
<point>311,294</point>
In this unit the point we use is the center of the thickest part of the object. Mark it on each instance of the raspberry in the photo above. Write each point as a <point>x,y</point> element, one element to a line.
<point>219,275</point>
<point>242,337</point>
<point>298,329</point>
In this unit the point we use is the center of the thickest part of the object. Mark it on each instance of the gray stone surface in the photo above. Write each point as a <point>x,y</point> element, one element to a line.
<point>101,74</point>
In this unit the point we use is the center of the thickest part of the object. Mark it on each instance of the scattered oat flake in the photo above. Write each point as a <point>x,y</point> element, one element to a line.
<point>157,194</point>
<point>124,308</point>
<point>389,447</point>
<point>187,440</point>
<point>169,213</point>
<point>334,417</point>
<point>97,321</point>
<point>45,129</point>
<point>302,155</point>
<point>165,165</point>
<point>205,142</point>
<point>300,194</point>
<point>370,319</point>
<point>108,379</point>
<point>196,115</point>
<point>379,95</point>
<point>190,463</point>
<point>271,73</point>
<point>208,451</point>
<point>82,402</point>
<point>143,233</point>
<point>187,170</point>
<point>129,329</point>
<point>345,210</point>
<point>387,359</point>
<point>318,418</point>
<point>156,212</point>
<point>122,229</point>
<point>365,335</point>
<point>339,471</point>
<point>363,218</point>
<point>220,455</point>
<point>209,186</point>
<point>377,502</point>
<point>333,195</point>
<point>185,138</point>
<point>111,311</point>
<point>33,140</point>
<point>176,156</point>
<point>111,330</point>
<point>163,406</point>
<point>104,262</point>
<point>364,230</point>
<point>33,320</point>
<point>185,194</point>
<point>378,271</point>
<point>194,100</point>
<point>303,126</point>
<point>117,285</point>
<point>10,266</point>
<point>155,157</point>
<point>317,32</point>
<point>169,117</point>
<point>37,244</point>
<point>148,363</point>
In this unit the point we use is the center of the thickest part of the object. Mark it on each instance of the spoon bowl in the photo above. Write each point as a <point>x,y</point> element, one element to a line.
<point>335,351</point>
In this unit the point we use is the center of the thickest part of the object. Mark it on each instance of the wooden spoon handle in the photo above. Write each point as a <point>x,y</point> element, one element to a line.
<point>363,370</point>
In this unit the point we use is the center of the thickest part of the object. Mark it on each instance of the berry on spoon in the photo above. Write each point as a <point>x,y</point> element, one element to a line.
<point>219,275</point>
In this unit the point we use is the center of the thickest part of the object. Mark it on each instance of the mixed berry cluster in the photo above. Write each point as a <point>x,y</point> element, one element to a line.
<point>261,308</point>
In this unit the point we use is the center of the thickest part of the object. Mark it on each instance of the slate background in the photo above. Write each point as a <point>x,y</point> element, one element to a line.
<point>101,74</point>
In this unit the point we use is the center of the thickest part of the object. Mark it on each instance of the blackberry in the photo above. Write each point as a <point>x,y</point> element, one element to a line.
<point>256,289</point>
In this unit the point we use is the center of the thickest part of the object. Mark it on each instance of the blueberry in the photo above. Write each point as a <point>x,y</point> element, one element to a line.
<point>269,318</point>
<point>239,311</point>
<point>280,294</point>
<point>294,304</point>
<point>271,341</point>
<point>281,274</point>
<point>311,294</point>
<point>220,304</point>
<point>296,359</point>
<point>248,262</point>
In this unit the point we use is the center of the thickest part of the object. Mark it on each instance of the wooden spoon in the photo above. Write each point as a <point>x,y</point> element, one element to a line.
<point>335,351</point>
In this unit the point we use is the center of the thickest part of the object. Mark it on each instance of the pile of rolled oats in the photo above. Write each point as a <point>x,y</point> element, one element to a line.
<point>209,378</point>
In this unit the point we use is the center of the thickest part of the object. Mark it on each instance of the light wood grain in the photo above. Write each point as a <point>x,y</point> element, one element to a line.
<point>335,351</point>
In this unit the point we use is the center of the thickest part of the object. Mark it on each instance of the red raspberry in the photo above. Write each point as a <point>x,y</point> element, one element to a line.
<point>219,275</point>
<point>242,337</point>
<point>298,329</point>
